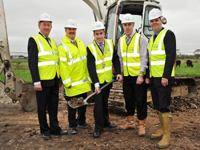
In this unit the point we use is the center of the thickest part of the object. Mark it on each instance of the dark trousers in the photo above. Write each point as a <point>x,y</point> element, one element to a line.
<point>47,99</point>
<point>73,121</point>
<point>161,95</point>
<point>135,93</point>
<point>101,108</point>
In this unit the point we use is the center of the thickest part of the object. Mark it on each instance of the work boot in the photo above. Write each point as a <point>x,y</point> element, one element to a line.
<point>166,140</point>
<point>159,134</point>
<point>142,124</point>
<point>129,124</point>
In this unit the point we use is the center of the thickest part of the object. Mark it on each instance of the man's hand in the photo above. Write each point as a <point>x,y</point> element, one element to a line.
<point>140,80</point>
<point>38,87</point>
<point>164,82</point>
<point>119,78</point>
<point>97,90</point>
<point>60,83</point>
<point>147,80</point>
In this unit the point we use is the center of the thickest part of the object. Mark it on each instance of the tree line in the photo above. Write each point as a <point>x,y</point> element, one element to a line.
<point>196,55</point>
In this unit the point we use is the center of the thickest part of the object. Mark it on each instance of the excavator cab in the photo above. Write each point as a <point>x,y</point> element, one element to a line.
<point>140,11</point>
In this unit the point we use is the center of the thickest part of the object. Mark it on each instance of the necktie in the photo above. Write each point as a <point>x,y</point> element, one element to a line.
<point>128,39</point>
<point>101,46</point>
<point>48,40</point>
<point>74,42</point>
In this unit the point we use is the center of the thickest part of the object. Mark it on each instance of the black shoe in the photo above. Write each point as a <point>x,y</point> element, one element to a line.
<point>97,134</point>
<point>84,125</point>
<point>62,132</point>
<point>72,130</point>
<point>112,125</point>
<point>46,136</point>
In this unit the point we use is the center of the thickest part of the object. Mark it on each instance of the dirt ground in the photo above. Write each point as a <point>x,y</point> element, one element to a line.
<point>20,130</point>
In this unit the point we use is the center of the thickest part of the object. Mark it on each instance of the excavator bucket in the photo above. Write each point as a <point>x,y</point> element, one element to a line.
<point>25,94</point>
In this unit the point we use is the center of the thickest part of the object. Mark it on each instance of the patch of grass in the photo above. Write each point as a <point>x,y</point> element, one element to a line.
<point>24,74</point>
<point>20,69</point>
<point>183,70</point>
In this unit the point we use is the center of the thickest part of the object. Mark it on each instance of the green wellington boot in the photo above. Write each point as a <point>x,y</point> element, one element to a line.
<point>159,134</point>
<point>166,140</point>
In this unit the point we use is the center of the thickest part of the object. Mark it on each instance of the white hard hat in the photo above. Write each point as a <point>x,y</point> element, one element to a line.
<point>128,18</point>
<point>98,26</point>
<point>70,24</point>
<point>155,13</point>
<point>45,17</point>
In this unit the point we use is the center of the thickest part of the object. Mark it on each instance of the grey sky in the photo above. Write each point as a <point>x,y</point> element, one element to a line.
<point>22,16</point>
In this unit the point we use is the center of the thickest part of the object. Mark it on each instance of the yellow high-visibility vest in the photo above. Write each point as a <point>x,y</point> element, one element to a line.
<point>131,55</point>
<point>48,64</point>
<point>103,61</point>
<point>157,55</point>
<point>73,67</point>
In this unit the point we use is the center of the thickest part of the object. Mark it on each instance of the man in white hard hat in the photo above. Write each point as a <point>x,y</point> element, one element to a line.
<point>74,73</point>
<point>43,65</point>
<point>133,51</point>
<point>162,53</point>
<point>101,55</point>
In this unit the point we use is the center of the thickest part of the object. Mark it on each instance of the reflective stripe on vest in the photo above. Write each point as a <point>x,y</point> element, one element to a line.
<point>131,64</point>
<point>76,83</point>
<point>47,63</point>
<point>47,53</point>
<point>105,69</point>
<point>67,81</point>
<point>80,82</point>
<point>155,63</point>
<point>72,61</point>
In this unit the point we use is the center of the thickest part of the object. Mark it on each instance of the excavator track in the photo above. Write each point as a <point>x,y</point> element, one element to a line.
<point>184,87</point>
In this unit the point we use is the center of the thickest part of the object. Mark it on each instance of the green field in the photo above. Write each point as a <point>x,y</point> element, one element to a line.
<point>20,68</point>
<point>183,70</point>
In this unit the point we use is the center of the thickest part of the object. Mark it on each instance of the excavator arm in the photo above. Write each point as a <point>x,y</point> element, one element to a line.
<point>16,88</point>
<point>98,7</point>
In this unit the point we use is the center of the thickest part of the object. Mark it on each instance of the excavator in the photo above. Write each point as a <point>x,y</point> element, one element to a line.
<point>110,12</point>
